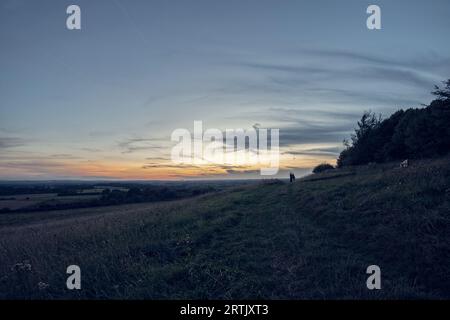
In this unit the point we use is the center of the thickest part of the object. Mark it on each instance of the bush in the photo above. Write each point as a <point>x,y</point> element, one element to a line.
<point>323,167</point>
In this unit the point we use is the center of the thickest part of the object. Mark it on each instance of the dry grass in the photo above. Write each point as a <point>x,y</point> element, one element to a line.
<point>308,240</point>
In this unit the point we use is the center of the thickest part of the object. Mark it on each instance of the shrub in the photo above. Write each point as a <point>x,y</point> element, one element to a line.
<point>323,167</point>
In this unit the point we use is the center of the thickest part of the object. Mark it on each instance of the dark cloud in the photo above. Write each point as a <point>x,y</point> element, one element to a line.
<point>41,165</point>
<point>237,171</point>
<point>140,144</point>
<point>11,142</point>
<point>307,75</point>
<point>330,134</point>
<point>411,76</point>
<point>157,159</point>
<point>91,149</point>
<point>344,78</point>
<point>424,62</point>
<point>307,117</point>
<point>169,165</point>
<point>64,156</point>
<point>306,70</point>
<point>325,151</point>
<point>363,98</point>
<point>307,126</point>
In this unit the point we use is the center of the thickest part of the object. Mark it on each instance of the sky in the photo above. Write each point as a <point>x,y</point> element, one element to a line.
<point>103,101</point>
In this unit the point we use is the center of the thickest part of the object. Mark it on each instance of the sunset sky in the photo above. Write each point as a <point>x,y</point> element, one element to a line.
<point>102,102</point>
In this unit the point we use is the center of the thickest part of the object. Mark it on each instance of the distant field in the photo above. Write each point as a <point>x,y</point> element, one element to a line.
<point>24,200</point>
<point>310,240</point>
<point>31,200</point>
<point>21,196</point>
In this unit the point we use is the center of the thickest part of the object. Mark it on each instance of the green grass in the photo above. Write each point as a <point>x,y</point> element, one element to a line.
<point>310,240</point>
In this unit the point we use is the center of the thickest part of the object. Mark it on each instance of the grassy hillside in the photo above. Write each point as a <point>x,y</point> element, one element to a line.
<point>311,239</point>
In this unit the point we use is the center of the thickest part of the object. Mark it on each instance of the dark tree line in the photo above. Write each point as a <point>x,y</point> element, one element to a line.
<point>135,194</point>
<point>407,134</point>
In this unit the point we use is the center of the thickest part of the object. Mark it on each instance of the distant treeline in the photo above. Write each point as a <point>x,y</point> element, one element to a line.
<point>133,195</point>
<point>407,134</point>
<point>136,194</point>
<point>17,189</point>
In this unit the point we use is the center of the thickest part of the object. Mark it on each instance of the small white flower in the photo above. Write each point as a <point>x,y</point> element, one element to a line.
<point>43,285</point>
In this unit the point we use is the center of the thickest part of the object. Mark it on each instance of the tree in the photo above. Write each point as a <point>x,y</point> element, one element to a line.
<point>413,133</point>
<point>361,148</point>
<point>442,93</point>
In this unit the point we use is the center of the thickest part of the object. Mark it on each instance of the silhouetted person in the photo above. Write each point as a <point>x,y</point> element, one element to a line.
<point>291,177</point>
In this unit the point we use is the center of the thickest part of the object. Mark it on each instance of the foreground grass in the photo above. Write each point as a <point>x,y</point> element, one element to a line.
<point>310,240</point>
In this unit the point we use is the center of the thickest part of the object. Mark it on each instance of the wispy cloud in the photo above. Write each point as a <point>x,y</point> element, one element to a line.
<point>424,62</point>
<point>141,144</point>
<point>11,142</point>
<point>293,75</point>
<point>64,156</point>
<point>87,149</point>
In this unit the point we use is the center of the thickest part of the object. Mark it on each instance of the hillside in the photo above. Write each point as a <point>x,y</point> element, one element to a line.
<point>311,239</point>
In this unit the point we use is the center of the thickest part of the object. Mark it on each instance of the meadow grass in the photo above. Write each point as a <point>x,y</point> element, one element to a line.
<point>312,239</point>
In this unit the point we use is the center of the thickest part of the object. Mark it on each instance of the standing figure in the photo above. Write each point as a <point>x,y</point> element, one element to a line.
<point>291,177</point>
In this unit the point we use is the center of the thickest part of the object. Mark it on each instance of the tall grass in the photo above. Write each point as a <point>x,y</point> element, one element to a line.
<point>310,240</point>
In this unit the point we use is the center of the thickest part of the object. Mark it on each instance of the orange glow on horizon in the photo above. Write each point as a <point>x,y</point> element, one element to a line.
<point>132,169</point>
